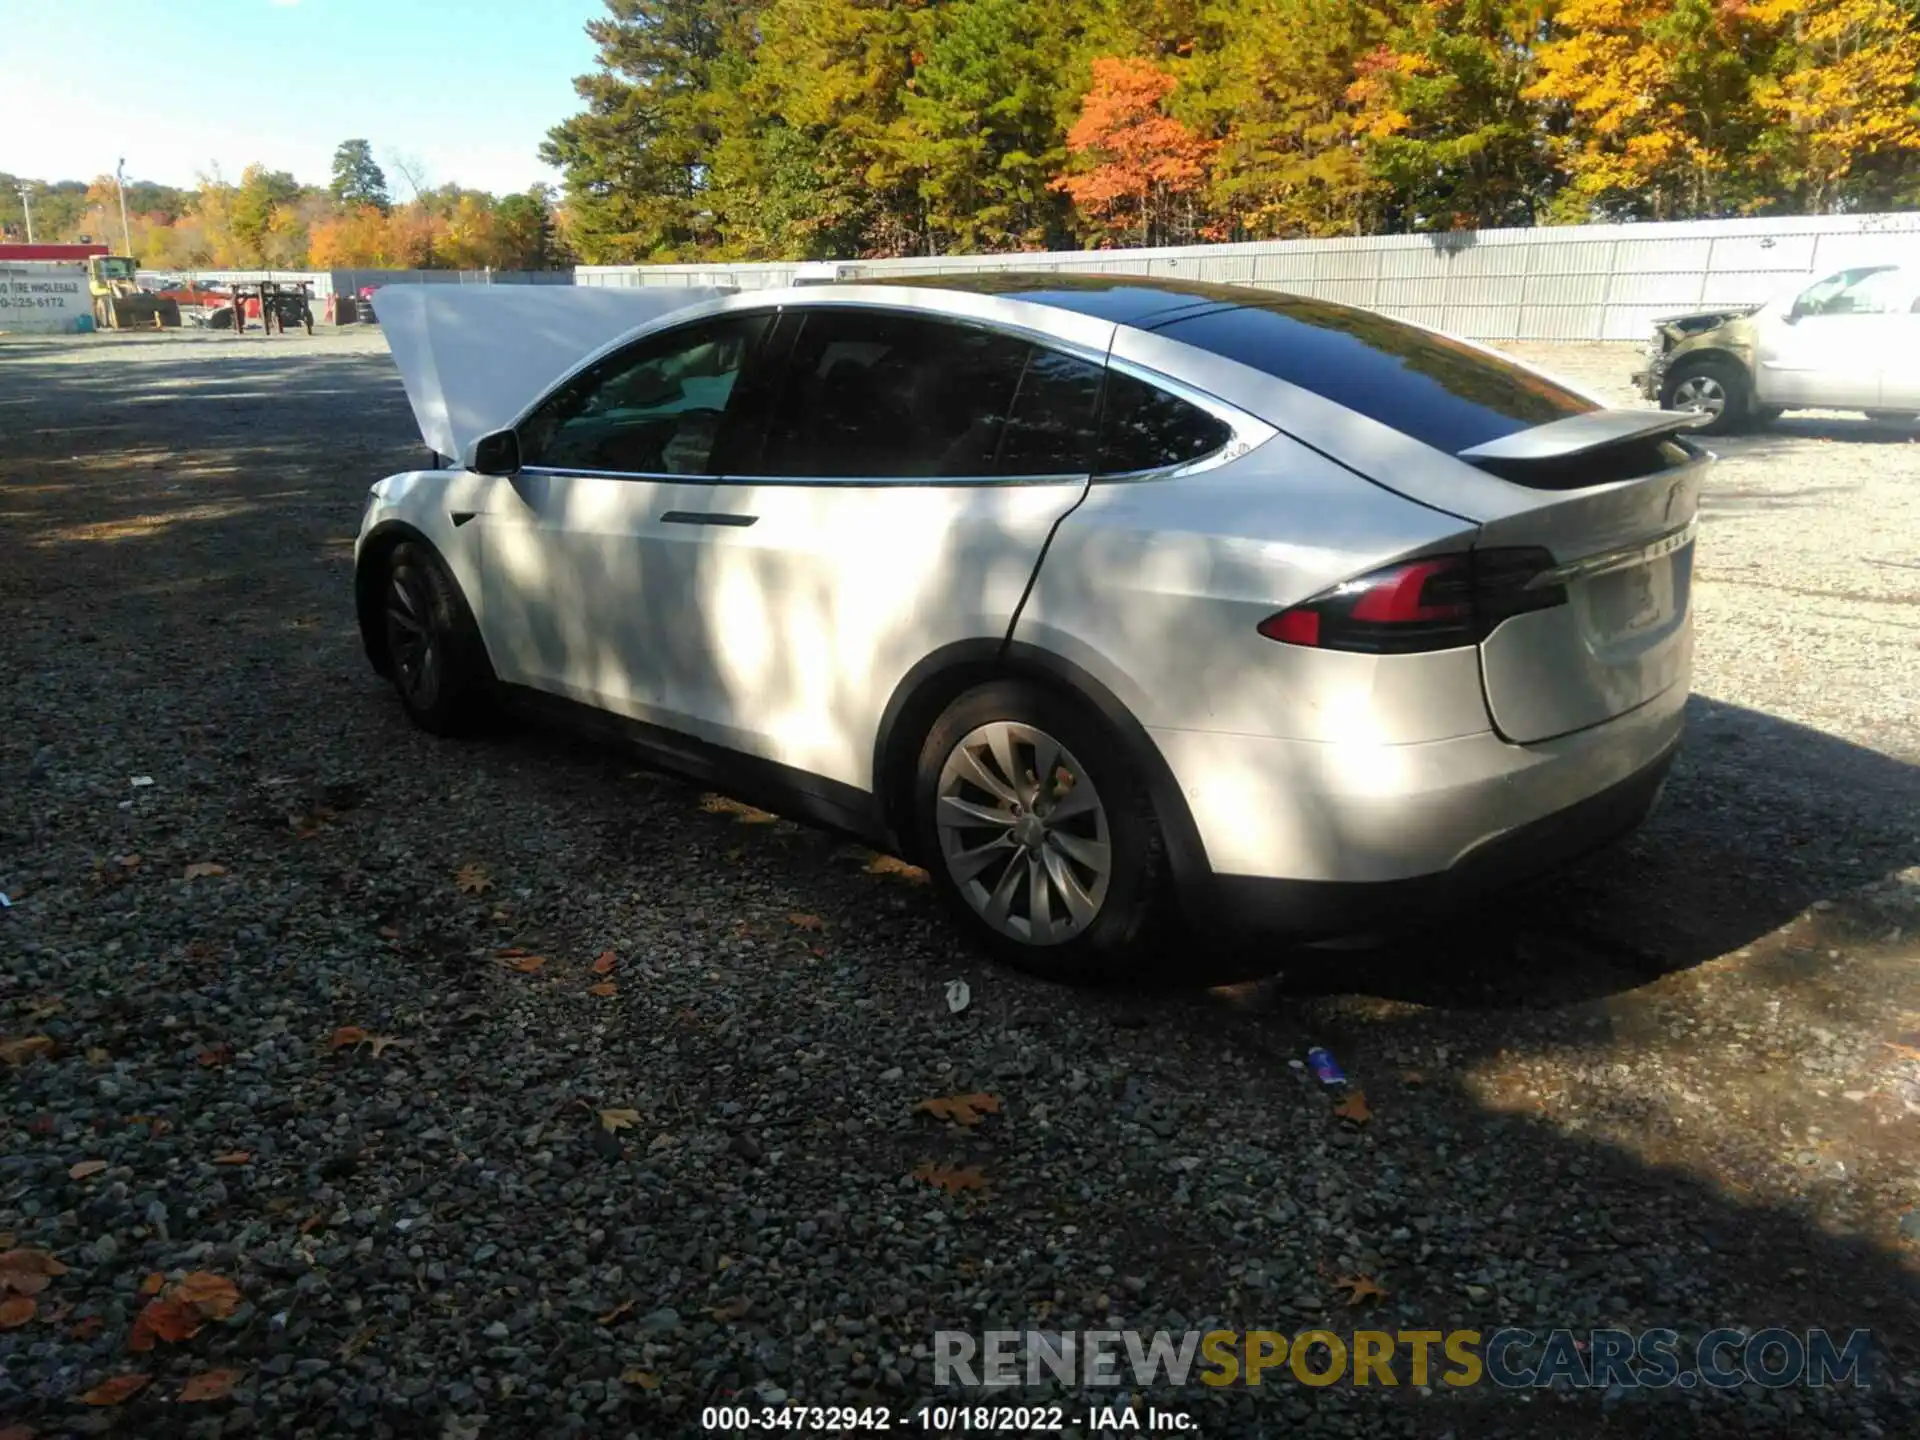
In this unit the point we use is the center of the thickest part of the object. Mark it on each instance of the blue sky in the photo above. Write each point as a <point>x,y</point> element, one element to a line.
<point>465,87</point>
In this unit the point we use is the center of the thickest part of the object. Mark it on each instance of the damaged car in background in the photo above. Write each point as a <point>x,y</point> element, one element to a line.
<point>1849,341</point>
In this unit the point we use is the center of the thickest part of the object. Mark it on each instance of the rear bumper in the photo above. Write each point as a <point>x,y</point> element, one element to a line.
<point>1329,839</point>
<point>1308,909</point>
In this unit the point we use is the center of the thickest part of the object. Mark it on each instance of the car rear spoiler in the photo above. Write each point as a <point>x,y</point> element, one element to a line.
<point>1580,435</point>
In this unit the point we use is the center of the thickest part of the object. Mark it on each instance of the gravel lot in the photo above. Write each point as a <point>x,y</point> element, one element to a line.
<point>1673,1088</point>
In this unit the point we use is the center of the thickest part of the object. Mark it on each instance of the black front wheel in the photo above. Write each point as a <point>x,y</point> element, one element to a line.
<point>434,653</point>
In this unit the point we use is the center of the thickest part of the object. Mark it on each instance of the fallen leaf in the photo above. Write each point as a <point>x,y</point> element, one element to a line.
<point>645,1379</point>
<point>605,987</point>
<point>85,1168</point>
<point>1360,1289</point>
<point>952,1179</point>
<point>357,1342</point>
<point>98,1056</point>
<point>959,996</point>
<point>87,1326</point>
<point>214,1296</point>
<point>215,1055</point>
<point>203,870</point>
<point>961,1109</point>
<point>233,1157</point>
<point>472,879</point>
<point>614,1120</point>
<point>509,952</point>
<point>153,1284</point>
<point>168,1319</point>
<point>527,964</point>
<point>19,1052</point>
<point>801,921</point>
<point>378,1045</point>
<point>616,1312</point>
<point>744,813</point>
<point>46,1005</point>
<point>894,865</point>
<point>1354,1108</point>
<point>17,1310</point>
<point>734,1309</point>
<point>115,1391</point>
<point>1905,1052</point>
<point>210,1385</point>
<point>17,1432</point>
<point>604,964</point>
<point>26,1272</point>
<point>312,1222</point>
<point>347,1035</point>
<point>1412,1077</point>
<point>389,932</point>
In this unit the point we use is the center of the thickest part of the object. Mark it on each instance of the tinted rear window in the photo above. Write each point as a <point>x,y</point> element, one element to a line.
<point>1144,428</point>
<point>1439,391</point>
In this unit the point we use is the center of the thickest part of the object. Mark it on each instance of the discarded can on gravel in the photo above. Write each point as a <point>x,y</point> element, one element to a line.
<point>1325,1068</point>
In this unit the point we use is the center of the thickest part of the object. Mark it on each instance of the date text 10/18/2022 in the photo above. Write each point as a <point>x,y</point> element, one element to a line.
<point>946,1419</point>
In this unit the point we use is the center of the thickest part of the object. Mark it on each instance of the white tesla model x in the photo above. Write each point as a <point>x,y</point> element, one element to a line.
<point>1111,601</point>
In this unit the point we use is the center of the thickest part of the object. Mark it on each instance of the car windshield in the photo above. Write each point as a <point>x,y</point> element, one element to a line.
<point>116,269</point>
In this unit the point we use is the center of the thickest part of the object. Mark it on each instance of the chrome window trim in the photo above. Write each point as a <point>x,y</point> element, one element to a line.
<point>1075,477</point>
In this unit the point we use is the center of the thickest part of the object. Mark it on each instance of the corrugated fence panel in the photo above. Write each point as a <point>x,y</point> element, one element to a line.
<point>1573,283</point>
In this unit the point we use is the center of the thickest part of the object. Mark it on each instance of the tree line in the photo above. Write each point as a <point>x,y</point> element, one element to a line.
<point>791,129</point>
<point>268,220</point>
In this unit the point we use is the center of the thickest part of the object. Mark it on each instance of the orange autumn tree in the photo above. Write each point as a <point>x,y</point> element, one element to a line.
<point>1136,164</point>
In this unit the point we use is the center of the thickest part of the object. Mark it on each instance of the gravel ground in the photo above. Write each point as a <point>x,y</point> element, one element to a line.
<point>673,1162</point>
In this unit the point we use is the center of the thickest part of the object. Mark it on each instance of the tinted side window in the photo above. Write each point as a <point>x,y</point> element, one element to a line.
<point>874,394</point>
<point>1439,391</point>
<point>655,408</point>
<point>1051,429</point>
<point>1144,428</point>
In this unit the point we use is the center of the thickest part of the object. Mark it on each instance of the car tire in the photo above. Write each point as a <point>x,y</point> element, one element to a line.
<point>1767,414</point>
<point>978,798</point>
<point>1717,386</point>
<point>435,656</point>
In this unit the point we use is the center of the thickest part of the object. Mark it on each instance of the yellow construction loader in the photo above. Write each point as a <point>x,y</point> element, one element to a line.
<point>118,301</point>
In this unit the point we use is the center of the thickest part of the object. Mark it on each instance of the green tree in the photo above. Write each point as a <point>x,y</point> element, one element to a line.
<point>357,179</point>
<point>636,159</point>
<point>523,231</point>
<point>257,202</point>
<point>980,130</point>
<point>1272,87</point>
<point>1443,111</point>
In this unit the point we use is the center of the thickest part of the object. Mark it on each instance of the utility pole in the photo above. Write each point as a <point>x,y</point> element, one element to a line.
<point>120,184</point>
<point>26,203</point>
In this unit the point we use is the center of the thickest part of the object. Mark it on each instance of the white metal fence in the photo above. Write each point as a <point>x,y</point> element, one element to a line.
<point>1589,282</point>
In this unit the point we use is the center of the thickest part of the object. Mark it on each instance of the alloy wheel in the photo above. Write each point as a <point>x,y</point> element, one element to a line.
<point>1700,393</point>
<point>1023,833</point>
<point>411,643</point>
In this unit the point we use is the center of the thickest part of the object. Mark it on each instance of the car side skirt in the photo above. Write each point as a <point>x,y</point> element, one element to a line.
<point>795,794</point>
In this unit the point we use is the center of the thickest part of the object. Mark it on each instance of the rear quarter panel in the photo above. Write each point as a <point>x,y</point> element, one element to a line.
<point>1156,588</point>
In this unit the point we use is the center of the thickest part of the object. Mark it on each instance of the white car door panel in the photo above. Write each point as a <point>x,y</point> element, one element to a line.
<point>581,591</point>
<point>1833,345</point>
<point>911,471</point>
<point>811,602</point>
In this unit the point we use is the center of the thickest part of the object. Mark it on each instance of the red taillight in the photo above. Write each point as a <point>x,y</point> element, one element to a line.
<point>1437,603</point>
